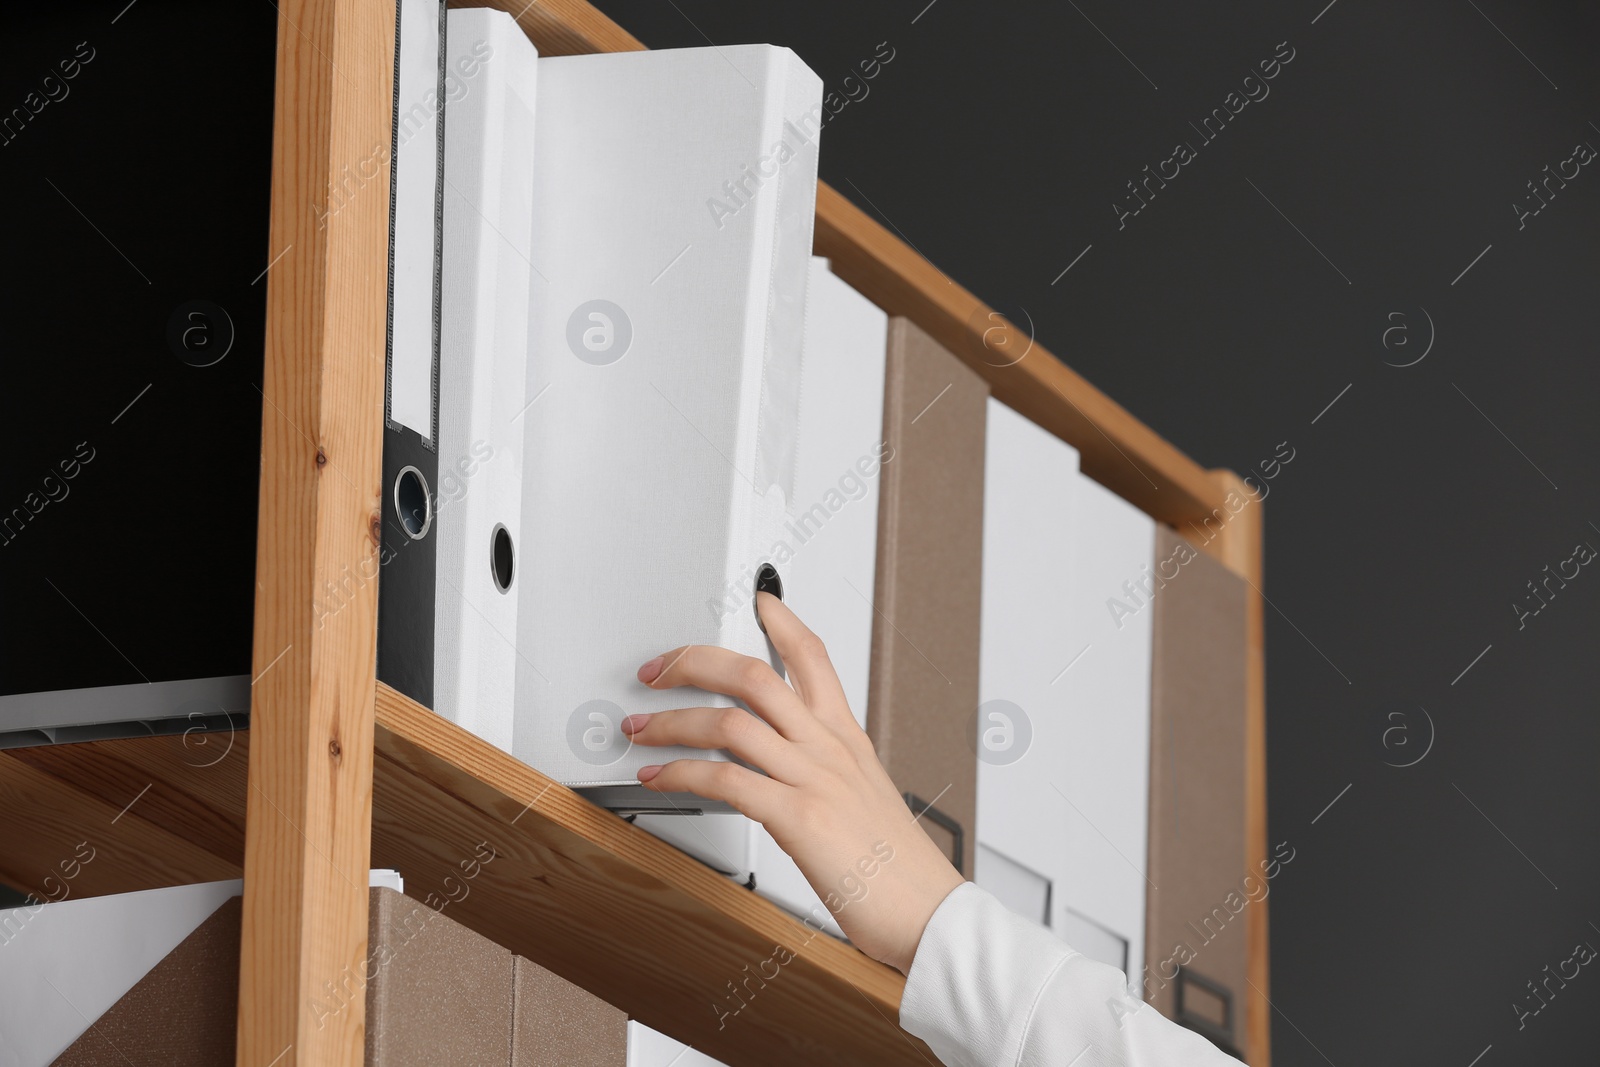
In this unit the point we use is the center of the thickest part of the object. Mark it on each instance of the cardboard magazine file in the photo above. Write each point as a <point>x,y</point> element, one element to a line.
<point>923,694</point>
<point>1197,809</point>
<point>66,962</point>
<point>558,1024</point>
<point>183,1012</point>
<point>435,992</point>
<point>1063,782</point>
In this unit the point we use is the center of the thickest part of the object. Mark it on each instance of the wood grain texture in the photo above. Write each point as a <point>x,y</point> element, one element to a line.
<point>569,886</point>
<point>99,808</point>
<point>308,827</point>
<point>612,909</point>
<point>166,782</point>
<point>1115,449</point>
<point>1241,549</point>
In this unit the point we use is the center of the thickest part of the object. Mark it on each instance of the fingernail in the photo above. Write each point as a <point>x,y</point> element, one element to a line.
<point>634,723</point>
<point>647,773</point>
<point>650,671</point>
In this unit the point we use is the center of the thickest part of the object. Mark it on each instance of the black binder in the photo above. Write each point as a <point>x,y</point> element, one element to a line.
<point>409,546</point>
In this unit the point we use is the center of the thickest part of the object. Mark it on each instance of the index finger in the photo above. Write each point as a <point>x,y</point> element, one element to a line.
<point>806,659</point>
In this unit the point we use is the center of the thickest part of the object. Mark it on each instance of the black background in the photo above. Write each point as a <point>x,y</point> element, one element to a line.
<point>1407,525</point>
<point>143,188</point>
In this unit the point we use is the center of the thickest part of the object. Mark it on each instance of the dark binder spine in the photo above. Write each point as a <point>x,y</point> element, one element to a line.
<point>408,554</point>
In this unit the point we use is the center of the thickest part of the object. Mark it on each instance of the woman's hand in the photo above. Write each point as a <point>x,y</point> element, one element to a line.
<point>826,799</point>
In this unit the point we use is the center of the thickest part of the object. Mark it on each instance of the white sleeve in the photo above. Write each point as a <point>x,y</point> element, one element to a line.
<point>988,988</point>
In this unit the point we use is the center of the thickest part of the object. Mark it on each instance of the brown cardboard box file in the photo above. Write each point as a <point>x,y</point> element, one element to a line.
<point>558,1024</point>
<point>436,993</point>
<point>1195,920</point>
<point>923,695</point>
<point>182,1012</point>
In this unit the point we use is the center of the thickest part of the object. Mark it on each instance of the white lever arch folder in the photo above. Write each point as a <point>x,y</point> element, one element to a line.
<point>492,74</point>
<point>1064,688</point>
<point>834,520</point>
<point>832,537</point>
<point>674,195</point>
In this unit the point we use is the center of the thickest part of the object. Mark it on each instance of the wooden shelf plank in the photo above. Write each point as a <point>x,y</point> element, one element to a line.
<point>1115,449</point>
<point>57,801</point>
<point>164,782</point>
<point>569,886</point>
<point>563,27</point>
<point>611,908</point>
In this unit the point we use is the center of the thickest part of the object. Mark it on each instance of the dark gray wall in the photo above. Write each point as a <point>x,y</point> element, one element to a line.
<point>1250,294</point>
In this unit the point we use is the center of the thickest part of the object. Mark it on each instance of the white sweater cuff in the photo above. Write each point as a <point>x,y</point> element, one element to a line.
<point>988,988</point>
<point>976,978</point>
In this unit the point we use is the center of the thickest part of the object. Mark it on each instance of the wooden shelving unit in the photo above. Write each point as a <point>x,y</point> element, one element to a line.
<point>338,773</point>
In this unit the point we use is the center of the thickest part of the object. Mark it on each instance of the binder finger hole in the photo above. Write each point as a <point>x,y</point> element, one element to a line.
<point>767,581</point>
<point>502,558</point>
<point>412,503</point>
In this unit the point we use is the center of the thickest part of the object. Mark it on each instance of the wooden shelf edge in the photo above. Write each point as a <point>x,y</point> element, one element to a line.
<point>1115,449</point>
<point>1240,545</point>
<point>491,843</point>
<point>83,821</point>
<point>611,908</point>
<point>563,27</point>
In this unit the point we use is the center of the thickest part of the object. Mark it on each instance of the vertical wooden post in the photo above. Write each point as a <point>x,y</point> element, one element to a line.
<point>1240,549</point>
<point>308,829</point>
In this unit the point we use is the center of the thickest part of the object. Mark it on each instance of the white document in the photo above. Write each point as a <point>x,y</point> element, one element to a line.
<point>1064,688</point>
<point>488,219</point>
<point>674,196</point>
<point>415,215</point>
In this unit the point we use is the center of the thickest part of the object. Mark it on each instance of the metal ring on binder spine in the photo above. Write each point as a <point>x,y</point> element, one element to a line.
<point>402,511</point>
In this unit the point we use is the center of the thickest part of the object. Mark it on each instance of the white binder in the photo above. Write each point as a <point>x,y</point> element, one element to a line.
<point>488,208</point>
<point>834,520</point>
<point>1063,785</point>
<point>674,195</point>
<point>832,532</point>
